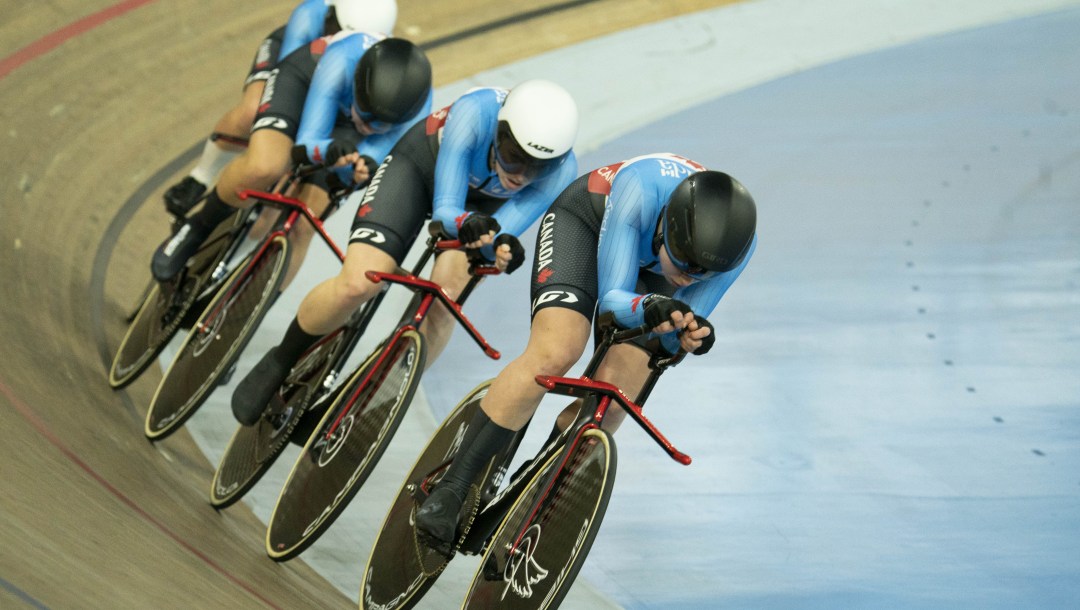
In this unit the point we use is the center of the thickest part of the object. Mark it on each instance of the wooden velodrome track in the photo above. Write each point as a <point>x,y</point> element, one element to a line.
<point>101,102</point>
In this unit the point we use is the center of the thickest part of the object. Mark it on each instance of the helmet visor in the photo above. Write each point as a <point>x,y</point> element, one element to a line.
<point>514,160</point>
<point>372,122</point>
<point>684,261</point>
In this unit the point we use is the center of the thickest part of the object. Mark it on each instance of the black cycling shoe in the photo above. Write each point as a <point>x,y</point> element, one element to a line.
<point>182,196</point>
<point>254,392</point>
<point>171,256</point>
<point>437,519</point>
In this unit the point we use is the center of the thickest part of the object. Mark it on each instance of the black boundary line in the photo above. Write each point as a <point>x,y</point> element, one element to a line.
<point>494,25</point>
<point>142,194</point>
<point>21,595</point>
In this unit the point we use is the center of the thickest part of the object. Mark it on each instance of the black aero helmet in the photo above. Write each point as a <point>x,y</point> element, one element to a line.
<point>392,81</point>
<point>709,223</point>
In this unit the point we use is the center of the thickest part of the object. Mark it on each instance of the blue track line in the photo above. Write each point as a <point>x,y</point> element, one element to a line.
<point>23,595</point>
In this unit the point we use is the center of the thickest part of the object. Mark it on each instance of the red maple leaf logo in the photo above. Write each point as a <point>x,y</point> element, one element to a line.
<point>544,275</point>
<point>634,304</point>
<point>364,210</point>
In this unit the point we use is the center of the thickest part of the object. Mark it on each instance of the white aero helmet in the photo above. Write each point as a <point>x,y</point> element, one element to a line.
<point>538,122</point>
<point>370,16</point>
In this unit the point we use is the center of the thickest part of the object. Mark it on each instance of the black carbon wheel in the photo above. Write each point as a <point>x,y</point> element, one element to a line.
<point>346,446</point>
<point>216,339</point>
<point>537,551</point>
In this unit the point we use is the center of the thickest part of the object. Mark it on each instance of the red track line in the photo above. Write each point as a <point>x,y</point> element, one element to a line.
<point>49,42</point>
<point>44,430</point>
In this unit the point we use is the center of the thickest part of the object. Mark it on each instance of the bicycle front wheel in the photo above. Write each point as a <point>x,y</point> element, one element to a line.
<point>346,446</point>
<point>401,568</point>
<point>154,324</point>
<point>253,449</point>
<point>217,338</point>
<point>166,307</point>
<point>536,553</point>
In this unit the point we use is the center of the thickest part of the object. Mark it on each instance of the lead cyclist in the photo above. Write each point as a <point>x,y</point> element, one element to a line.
<point>656,240</point>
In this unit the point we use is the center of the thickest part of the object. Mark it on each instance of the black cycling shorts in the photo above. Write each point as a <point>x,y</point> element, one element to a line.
<point>286,89</point>
<point>565,272</point>
<point>266,57</point>
<point>398,201</point>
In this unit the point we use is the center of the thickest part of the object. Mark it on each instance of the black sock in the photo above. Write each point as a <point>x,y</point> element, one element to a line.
<point>295,342</point>
<point>482,441</point>
<point>214,211</point>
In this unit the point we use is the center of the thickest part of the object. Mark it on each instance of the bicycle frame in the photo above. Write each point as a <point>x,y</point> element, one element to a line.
<point>430,292</point>
<point>296,209</point>
<point>489,517</point>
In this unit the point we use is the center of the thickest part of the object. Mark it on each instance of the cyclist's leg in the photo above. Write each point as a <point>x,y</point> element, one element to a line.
<point>330,303</point>
<point>384,229</point>
<point>558,338</point>
<point>264,161</point>
<point>266,158</point>
<point>451,271</point>
<point>324,309</point>
<point>563,307</point>
<point>236,123</point>
<point>626,367</point>
<point>564,296</point>
<point>273,130</point>
<point>556,342</point>
<point>300,238</point>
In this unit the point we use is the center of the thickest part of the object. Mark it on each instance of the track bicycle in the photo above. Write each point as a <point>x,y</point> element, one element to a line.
<point>534,534</point>
<point>165,307</point>
<point>307,392</point>
<point>352,435</point>
<point>209,352</point>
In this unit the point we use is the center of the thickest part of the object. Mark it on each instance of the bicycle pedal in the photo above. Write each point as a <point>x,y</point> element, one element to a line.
<point>442,548</point>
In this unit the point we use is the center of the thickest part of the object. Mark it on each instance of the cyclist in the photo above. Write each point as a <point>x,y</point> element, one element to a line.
<point>381,86</point>
<point>656,240</point>
<point>311,19</point>
<point>486,167</point>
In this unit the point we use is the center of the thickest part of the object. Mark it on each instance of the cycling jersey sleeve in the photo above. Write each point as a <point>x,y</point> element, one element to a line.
<point>378,145</point>
<point>329,84</point>
<point>305,24</point>
<point>617,253</point>
<point>461,135</point>
<point>703,296</point>
<point>522,210</point>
